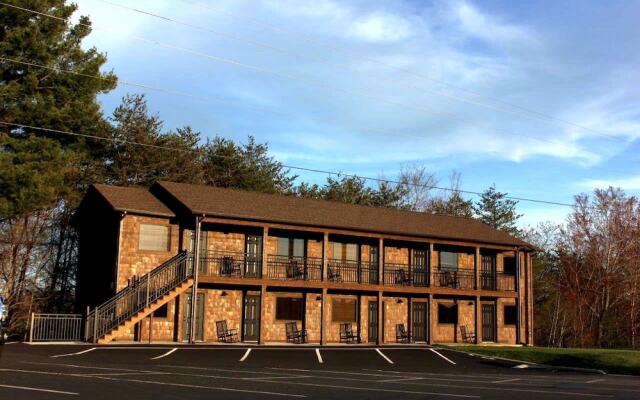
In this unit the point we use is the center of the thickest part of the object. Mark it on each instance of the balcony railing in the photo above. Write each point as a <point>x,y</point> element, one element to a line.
<point>498,281</point>
<point>459,279</point>
<point>403,275</point>
<point>352,272</point>
<point>230,264</point>
<point>294,268</point>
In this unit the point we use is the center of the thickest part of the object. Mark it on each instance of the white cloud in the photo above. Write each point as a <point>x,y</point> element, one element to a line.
<point>631,183</point>
<point>483,26</point>
<point>381,27</point>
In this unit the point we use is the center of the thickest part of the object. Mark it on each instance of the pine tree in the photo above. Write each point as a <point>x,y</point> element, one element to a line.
<point>497,211</point>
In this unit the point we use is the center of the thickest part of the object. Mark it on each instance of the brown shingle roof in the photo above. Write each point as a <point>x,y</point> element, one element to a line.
<point>131,199</point>
<point>212,201</point>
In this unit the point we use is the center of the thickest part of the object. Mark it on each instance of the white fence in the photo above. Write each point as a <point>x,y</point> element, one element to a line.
<point>56,328</point>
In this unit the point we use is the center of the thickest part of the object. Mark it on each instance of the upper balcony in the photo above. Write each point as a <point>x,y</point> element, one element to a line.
<point>296,259</point>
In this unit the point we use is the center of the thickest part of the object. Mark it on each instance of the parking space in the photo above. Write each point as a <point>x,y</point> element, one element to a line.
<point>203,372</point>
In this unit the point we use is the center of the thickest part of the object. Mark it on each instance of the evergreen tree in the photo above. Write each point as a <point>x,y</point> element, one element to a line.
<point>496,210</point>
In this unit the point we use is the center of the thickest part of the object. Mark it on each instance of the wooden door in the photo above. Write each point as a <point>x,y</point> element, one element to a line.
<point>419,267</point>
<point>372,334</point>
<point>251,318</point>
<point>186,317</point>
<point>488,323</point>
<point>419,321</point>
<point>253,262</point>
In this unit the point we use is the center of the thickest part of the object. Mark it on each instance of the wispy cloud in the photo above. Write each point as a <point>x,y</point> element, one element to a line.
<point>631,183</point>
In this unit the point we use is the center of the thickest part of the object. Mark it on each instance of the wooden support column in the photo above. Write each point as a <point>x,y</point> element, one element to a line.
<point>430,264</point>
<point>477,260</point>
<point>430,319</point>
<point>359,317</point>
<point>194,291</point>
<point>519,298</point>
<point>380,261</point>
<point>323,318</point>
<point>409,326</point>
<point>530,283</point>
<point>263,320</point>
<point>263,266</point>
<point>380,319</point>
<point>150,327</point>
<point>478,318</point>
<point>325,257</point>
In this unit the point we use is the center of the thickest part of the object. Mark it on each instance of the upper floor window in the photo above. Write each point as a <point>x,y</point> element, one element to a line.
<point>289,308</point>
<point>290,247</point>
<point>345,251</point>
<point>154,237</point>
<point>509,265</point>
<point>448,261</point>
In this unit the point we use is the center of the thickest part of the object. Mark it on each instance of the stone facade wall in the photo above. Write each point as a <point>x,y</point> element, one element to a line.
<point>396,255</point>
<point>225,242</point>
<point>136,262</point>
<point>448,333</point>
<point>332,329</point>
<point>394,313</point>
<point>506,333</point>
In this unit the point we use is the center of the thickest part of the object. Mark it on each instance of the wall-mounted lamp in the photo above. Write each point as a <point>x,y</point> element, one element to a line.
<point>318,298</point>
<point>399,301</point>
<point>223,294</point>
<point>470,303</point>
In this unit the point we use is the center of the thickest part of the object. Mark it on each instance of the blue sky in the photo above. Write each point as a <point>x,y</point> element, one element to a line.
<point>541,98</point>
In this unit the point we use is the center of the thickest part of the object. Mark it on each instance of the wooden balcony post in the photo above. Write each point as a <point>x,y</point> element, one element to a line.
<point>381,261</point>
<point>325,257</point>
<point>323,318</point>
<point>265,237</point>
<point>430,266</point>
<point>380,340</point>
<point>530,300</point>
<point>263,322</point>
<point>518,298</point>
<point>478,318</point>
<point>194,290</point>
<point>477,269</point>
<point>431,319</point>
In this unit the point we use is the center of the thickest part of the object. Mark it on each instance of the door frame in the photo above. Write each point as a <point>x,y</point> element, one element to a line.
<point>246,294</point>
<point>259,255</point>
<point>493,322</point>
<point>372,338</point>
<point>425,323</point>
<point>187,316</point>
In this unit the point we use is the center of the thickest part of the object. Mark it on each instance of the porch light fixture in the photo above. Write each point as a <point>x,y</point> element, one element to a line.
<point>399,301</point>
<point>318,298</point>
<point>223,294</point>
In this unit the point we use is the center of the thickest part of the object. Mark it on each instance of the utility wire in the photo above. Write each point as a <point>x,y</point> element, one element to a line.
<point>531,113</point>
<point>294,167</point>
<point>297,78</point>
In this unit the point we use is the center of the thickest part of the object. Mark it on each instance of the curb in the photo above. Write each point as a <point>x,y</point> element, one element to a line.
<point>531,365</point>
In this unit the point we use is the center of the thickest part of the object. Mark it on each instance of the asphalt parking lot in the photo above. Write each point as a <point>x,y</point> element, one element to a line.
<point>239,372</point>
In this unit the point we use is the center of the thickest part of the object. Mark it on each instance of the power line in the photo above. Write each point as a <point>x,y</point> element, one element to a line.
<point>139,85</point>
<point>531,113</point>
<point>294,167</point>
<point>261,70</point>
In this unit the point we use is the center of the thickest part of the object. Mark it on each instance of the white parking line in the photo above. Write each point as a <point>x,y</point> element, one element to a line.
<point>507,380</point>
<point>385,357</point>
<point>244,357</point>
<point>434,350</point>
<point>595,380</point>
<point>165,354</point>
<point>319,356</point>
<point>39,389</point>
<point>74,354</point>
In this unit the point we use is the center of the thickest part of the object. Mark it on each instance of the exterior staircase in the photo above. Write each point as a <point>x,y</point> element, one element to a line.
<point>135,302</point>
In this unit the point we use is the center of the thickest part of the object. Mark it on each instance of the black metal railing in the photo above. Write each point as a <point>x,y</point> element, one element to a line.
<point>349,271</point>
<point>404,275</point>
<point>294,268</point>
<point>140,294</point>
<point>230,264</point>
<point>458,279</point>
<point>498,281</point>
<point>56,327</point>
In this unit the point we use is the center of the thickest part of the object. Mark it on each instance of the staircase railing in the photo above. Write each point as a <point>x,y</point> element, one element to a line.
<point>139,295</point>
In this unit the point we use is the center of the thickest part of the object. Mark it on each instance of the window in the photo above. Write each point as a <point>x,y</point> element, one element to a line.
<point>289,308</point>
<point>345,251</point>
<point>161,312</point>
<point>510,315</point>
<point>154,237</point>
<point>447,313</point>
<point>448,261</point>
<point>509,265</point>
<point>289,247</point>
<point>343,310</point>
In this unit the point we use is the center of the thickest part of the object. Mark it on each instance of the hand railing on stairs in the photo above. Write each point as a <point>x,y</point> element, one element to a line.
<point>137,296</point>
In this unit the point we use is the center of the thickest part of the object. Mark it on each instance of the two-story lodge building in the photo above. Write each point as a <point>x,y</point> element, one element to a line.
<point>267,260</point>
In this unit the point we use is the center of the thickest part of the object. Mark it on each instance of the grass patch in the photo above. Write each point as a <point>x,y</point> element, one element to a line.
<point>611,361</point>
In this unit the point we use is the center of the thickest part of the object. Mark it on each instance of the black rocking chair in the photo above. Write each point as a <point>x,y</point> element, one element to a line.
<point>294,335</point>
<point>402,336</point>
<point>346,333</point>
<point>226,335</point>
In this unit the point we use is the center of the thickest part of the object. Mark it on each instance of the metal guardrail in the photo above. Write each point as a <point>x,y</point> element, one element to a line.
<point>294,268</point>
<point>230,264</point>
<point>459,279</point>
<point>56,327</point>
<point>134,298</point>
<point>348,271</point>
<point>402,275</point>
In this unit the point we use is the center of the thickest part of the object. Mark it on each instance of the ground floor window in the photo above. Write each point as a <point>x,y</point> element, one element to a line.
<point>289,308</point>
<point>510,315</point>
<point>343,310</point>
<point>447,313</point>
<point>161,312</point>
